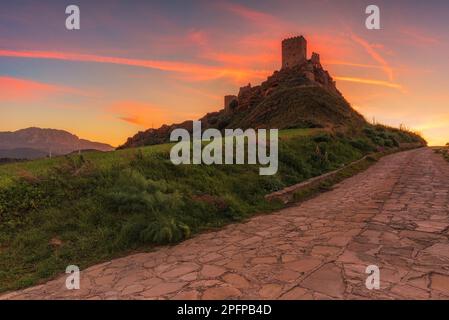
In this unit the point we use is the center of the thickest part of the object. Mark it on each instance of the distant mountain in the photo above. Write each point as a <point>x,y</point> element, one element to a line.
<point>33,143</point>
<point>22,153</point>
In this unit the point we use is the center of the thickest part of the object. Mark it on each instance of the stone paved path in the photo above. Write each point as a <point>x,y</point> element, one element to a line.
<point>394,215</point>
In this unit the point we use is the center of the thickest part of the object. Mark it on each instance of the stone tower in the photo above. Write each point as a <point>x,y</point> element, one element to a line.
<point>294,52</point>
<point>227,102</point>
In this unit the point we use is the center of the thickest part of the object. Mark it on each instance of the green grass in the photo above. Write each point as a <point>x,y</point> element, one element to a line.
<point>444,151</point>
<point>103,205</point>
<point>292,133</point>
<point>104,159</point>
<point>10,171</point>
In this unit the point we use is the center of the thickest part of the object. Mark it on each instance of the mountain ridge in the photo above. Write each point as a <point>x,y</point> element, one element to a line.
<point>34,142</point>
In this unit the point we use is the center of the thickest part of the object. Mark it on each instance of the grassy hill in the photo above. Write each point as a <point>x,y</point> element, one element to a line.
<point>86,209</point>
<point>296,107</point>
<point>285,100</point>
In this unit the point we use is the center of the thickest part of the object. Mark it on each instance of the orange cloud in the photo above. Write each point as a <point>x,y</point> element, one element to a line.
<point>372,82</point>
<point>241,60</point>
<point>370,49</point>
<point>194,71</point>
<point>134,120</point>
<point>197,92</point>
<point>13,89</point>
<point>140,114</point>
<point>350,64</point>
<point>418,38</point>
<point>436,122</point>
<point>248,13</point>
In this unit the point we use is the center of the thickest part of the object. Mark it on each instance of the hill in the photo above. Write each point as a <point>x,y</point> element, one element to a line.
<point>299,96</point>
<point>22,153</point>
<point>88,208</point>
<point>32,143</point>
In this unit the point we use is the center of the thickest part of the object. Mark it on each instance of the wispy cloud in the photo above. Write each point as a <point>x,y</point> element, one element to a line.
<point>15,89</point>
<point>419,38</point>
<point>140,114</point>
<point>196,72</point>
<point>146,115</point>
<point>435,122</point>
<point>250,14</point>
<point>371,82</point>
<point>351,64</point>
<point>370,49</point>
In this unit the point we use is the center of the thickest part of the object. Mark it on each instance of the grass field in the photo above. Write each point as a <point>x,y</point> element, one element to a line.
<point>104,159</point>
<point>86,209</point>
<point>444,151</point>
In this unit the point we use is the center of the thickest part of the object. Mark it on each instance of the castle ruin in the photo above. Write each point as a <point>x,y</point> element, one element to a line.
<point>294,52</point>
<point>295,67</point>
<point>228,100</point>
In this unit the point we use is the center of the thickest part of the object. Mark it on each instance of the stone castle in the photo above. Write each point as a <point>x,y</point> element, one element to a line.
<point>294,52</point>
<point>296,70</point>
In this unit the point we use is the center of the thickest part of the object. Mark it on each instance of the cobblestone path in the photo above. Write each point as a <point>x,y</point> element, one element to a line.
<point>394,215</point>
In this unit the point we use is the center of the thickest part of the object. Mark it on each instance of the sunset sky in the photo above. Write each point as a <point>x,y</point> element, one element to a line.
<point>138,64</point>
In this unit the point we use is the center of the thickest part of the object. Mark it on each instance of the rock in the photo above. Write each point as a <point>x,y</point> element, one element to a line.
<point>440,282</point>
<point>210,271</point>
<point>327,280</point>
<point>236,280</point>
<point>188,295</point>
<point>439,249</point>
<point>180,270</point>
<point>221,293</point>
<point>264,260</point>
<point>270,291</point>
<point>303,265</point>
<point>135,288</point>
<point>163,289</point>
<point>297,294</point>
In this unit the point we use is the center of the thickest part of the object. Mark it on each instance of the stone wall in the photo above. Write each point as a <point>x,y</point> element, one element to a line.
<point>227,102</point>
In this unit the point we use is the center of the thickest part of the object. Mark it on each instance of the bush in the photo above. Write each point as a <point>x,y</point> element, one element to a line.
<point>362,144</point>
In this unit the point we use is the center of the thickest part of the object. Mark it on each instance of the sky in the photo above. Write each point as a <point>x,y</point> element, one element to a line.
<point>138,64</point>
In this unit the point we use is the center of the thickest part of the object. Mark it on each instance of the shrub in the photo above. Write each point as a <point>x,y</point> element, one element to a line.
<point>164,229</point>
<point>362,144</point>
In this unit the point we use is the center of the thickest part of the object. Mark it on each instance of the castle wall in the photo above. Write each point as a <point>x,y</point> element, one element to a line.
<point>228,100</point>
<point>294,52</point>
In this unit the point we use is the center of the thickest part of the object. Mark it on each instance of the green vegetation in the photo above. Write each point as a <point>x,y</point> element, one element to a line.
<point>444,151</point>
<point>299,107</point>
<point>86,209</point>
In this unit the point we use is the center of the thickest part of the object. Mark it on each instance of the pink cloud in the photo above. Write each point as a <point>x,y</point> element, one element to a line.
<point>137,113</point>
<point>371,82</point>
<point>418,38</point>
<point>252,15</point>
<point>195,72</point>
<point>14,89</point>
<point>370,49</point>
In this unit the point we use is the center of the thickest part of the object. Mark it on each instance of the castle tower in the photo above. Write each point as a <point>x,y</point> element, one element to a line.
<point>227,102</point>
<point>315,59</point>
<point>294,52</point>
